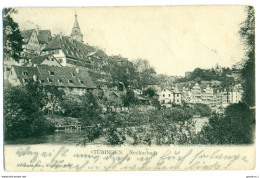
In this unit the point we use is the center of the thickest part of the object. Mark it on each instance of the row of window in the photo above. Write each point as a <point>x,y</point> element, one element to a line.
<point>177,95</point>
<point>61,81</point>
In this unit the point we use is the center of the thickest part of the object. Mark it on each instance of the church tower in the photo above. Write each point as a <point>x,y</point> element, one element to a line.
<point>76,34</point>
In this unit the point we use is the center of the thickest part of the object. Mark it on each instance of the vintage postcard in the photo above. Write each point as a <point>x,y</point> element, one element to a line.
<point>129,88</point>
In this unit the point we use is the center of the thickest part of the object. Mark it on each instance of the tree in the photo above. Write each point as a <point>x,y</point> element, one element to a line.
<point>11,35</point>
<point>145,72</point>
<point>124,73</point>
<point>149,92</point>
<point>53,97</point>
<point>91,110</point>
<point>23,116</point>
<point>235,127</point>
<point>247,32</point>
<point>129,98</point>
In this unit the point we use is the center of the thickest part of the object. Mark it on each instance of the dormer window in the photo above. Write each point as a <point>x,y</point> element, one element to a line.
<point>51,73</point>
<point>81,82</point>
<point>73,75</point>
<point>25,80</point>
<point>49,80</point>
<point>42,81</point>
<point>71,81</point>
<point>25,73</point>
<point>60,81</point>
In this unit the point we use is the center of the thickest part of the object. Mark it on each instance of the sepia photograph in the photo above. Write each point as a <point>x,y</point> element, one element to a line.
<point>129,88</point>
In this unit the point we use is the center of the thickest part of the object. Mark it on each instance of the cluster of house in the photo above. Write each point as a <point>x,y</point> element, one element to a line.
<point>190,93</point>
<point>62,61</point>
<point>56,61</point>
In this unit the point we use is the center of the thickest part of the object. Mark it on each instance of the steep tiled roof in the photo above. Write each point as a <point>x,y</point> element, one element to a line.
<point>44,36</point>
<point>39,59</point>
<point>74,49</point>
<point>26,73</point>
<point>53,44</point>
<point>57,76</point>
<point>26,34</point>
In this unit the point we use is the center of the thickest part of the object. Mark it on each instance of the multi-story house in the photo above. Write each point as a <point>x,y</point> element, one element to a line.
<point>166,97</point>
<point>186,95</point>
<point>235,95</point>
<point>44,37</point>
<point>48,59</point>
<point>31,43</point>
<point>176,96</point>
<point>207,96</point>
<point>71,80</point>
<point>72,52</point>
<point>196,94</point>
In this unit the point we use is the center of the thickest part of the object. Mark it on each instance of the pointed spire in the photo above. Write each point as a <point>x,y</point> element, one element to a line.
<point>76,24</point>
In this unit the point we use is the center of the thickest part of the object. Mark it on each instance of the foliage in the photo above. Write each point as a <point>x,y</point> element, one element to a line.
<point>124,73</point>
<point>53,97</point>
<point>92,133</point>
<point>144,73</point>
<point>237,126</point>
<point>23,112</point>
<point>203,109</point>
<point>199,75</point>
<point>11,35</point>
<point>72,105</point>
<point>149,92</point>
<point>115,137</point>
<point>247,32</point>
<point>129,98</point>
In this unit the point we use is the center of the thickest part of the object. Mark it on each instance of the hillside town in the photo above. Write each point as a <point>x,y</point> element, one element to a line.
<point>80,87</point>
<point>72,65</point>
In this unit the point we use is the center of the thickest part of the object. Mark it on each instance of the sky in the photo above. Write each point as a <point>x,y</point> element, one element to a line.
<point>175,39</point>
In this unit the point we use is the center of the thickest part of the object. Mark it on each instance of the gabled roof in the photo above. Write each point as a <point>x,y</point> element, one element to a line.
<point>59,76</point>
<point>68,75</point>
<point>23,72</point>
<point>26,34</point>
<point>74,49</point>
<point>54,44</point>
<point>39,59</point>
<point>44,36</point>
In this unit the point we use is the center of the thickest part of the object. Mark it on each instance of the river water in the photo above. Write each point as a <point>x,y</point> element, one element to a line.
<point>73,138</point>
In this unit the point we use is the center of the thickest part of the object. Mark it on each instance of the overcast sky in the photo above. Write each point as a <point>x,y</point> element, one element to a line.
<point>173,39</point>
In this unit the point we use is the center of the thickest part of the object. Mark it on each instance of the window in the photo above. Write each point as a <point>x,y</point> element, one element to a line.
<point>70,81</point>
<point>25,73</point>
<point>73,75</point>
<point>49,80</point>
<point>56,51</point>
<point>81,82</point>
<point>169,95</point>
<point>25,80</point>
<point>51,73</point>
<point>163,95</point>
<point>60,61</point>
<point>60,81</point>
<point>42,81</point>
<point>8,69</point>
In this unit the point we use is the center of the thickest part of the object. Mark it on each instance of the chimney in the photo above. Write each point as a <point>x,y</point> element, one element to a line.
<point>61,35</point>
<point>77,69</point>
<point>34,65</point>
<point>35,78</point>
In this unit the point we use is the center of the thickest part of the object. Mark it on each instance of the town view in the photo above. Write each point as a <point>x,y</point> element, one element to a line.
<point>59,89</point>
